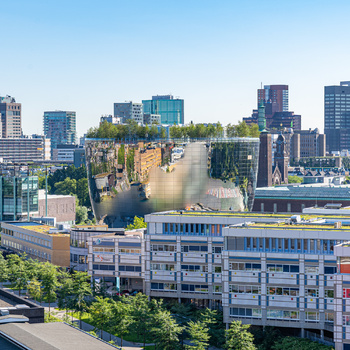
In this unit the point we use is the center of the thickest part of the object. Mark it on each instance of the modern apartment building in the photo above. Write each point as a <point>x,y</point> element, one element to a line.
<point>60,127</point>
<point>29,149</point>
<point>118,259</point>
<point>337,116</point>
<point>38,241</point>
<point>128,110</point>
<point>171,110</point>
<point>11,113</point>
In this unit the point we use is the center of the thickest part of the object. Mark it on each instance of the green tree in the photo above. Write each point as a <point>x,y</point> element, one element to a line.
<point>66,187</point>
<point>81,215</point>
<point>18,274</point>
<point>141,314</point>
<point>138,223</point>
<point>65,291</point>
<point>299,344</point>
<point>34,290</point>
<point>294,179</point>
<point>49,282</point>
<point>238,337</point>
<point>242,129</point>
<point>80,289</point>
<point>100,311</point>
<point>254,130</point>
<point>82,192</point>
<point>199,336</point>
<point>166,331</point>
<point>4,270</point>
<point>214,322</point>
<point>121,319</point>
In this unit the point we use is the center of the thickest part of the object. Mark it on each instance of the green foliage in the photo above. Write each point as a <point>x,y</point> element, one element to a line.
<point>165,330</point>
<point>100,311</point>
<point>4,270</point>
<point>34,290</point>
<point>70,181</point>
<point>81,215</point>
<point>264,338</point>
<point>293,179</point>
<point>138,223</point>
<point>292,343</point>
<point>18,274</point>
<point>214,321</point>
<point>199,335</point>
<point>49,282</point>
<point>238,337</point>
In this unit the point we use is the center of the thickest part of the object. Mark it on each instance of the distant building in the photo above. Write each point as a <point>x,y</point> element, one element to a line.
<point>171,110</point>
<point>152,119</point>
<point>29,149</point>
<point>294,198</point>
<point>38,241</point>
<point>69,154</point>
<point>128,110</point>
<point>111,119</point>
<point>337,116</point>
<point>275,94</point>
<point>11,113</point>
<point>60,127</point>
<point>61,207</point>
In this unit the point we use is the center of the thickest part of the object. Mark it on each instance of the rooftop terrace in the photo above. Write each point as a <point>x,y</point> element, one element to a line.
<point>37,227</point>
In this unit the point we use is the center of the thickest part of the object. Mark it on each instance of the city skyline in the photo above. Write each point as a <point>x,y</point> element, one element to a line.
<point>77,56</point>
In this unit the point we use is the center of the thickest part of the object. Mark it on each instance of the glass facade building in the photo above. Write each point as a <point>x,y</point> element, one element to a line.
<point>60,127</point>
<point>138,178</point>
<point>171,110</point>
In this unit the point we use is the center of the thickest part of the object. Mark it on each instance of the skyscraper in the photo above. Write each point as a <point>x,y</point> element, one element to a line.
<point>171,110</point>
<point>60,127</point>
<point>337,116</point>
<point>276,95</point>
<point>10,112</point>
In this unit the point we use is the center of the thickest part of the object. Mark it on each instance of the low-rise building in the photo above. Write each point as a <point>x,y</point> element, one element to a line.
<point>38,241</point>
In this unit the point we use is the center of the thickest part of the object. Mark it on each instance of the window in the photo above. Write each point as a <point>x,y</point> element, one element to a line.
<point>217,269</point>
<point>194,268</point>
<point>330,270</point>
<point>243,312</point>
<point>311,270</point>
<point>312,316</point>
<point>194,248</point>
<point>282,314</point>
<point>218,289</point>
<point>129,268</point>
<point>194,288</point>
<point>163,248</point>
<point>243,289</point>
<point>129,251</point>
<point>329,293</point>
<point>273,290</point>
<point>164,286</point>
<point>217,250</point>
<point>311,293</point>
<point>236,266</point>
<point>163,267</point>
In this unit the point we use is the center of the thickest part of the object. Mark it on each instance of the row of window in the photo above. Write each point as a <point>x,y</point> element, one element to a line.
<point>192,229</point>
<point>314,270</point>
<point>103,250</point>
<point>27,238</point>
<point>81,259</point>
<point>129,251</point>
<point>184,248</point>
<point>28,250</point>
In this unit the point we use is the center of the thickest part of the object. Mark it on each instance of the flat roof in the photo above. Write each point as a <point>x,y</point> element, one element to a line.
<point>37,227</point>
<point>52,336</point>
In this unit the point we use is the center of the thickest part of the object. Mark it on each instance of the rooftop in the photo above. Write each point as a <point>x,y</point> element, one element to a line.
<point>37,227</point>
<point>52,336</point>
<point>52,196</point>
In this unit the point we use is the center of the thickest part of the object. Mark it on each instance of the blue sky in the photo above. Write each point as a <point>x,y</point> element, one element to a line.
<point>85,55</point>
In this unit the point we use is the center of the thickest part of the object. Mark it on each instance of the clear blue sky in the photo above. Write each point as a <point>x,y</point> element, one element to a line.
<point>85,55</point>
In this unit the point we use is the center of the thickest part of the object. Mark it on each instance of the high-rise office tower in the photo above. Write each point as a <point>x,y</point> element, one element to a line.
<point>128,110</point>
<point>60,127</point>
<point>276,95</point>
<point>171,110</point>
<point>337,116</point>
<point>10,117</point>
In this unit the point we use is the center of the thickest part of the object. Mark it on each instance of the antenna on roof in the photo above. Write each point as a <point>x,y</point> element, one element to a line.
<point>261,85</point>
